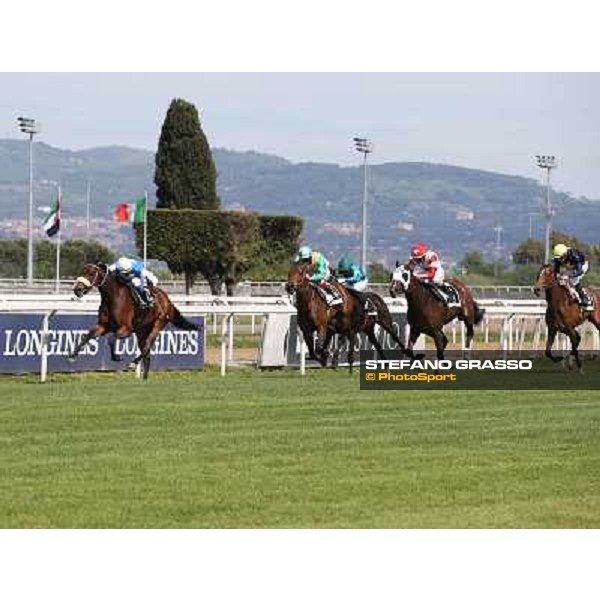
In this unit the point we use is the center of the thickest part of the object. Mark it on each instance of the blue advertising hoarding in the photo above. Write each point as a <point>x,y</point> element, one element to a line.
<point>21,345</point>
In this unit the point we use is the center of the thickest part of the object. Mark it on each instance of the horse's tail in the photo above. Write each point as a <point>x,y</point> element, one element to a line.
<point>181,322</point>
<point>478,312</point>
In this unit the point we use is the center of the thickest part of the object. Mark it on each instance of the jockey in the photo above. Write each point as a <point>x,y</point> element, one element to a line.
<point>322,274</point>
<point>134,272</point>
<point>351,275</point>
<point>576,266</point>
<point>428,268</point>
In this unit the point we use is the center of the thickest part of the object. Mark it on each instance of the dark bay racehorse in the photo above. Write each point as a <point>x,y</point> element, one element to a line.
<point>316,316</point>
<point>563,312</point>
<point>346,320</point>
<point>121,314</point>
<point>428,314</point>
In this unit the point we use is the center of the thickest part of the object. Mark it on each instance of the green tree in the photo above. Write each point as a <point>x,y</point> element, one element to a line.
<point>185,174</point>
<point>73,255</point>
<point>13,258</point>
<point>529,252</point>
<point>378,273</point>
<point>187,230</point>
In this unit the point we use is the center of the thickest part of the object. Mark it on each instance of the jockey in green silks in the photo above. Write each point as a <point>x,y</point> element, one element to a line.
<point>321,273</point>
<point>351,275</point>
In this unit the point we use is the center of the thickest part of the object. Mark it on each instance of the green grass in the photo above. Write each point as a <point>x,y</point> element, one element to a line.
<point>277,450</point>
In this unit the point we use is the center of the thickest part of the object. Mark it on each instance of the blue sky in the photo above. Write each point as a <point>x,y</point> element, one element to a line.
<point>490,121</point>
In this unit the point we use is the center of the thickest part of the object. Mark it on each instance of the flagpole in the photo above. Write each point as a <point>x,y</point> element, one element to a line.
<point>145,227</point>
<point>59,202</point>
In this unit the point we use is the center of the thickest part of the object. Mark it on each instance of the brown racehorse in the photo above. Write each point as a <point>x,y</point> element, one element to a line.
<point>315,316</point>
<point>564,313</point>
<point>347,320</point>
<point>428,314</point>
<point>120,313</point>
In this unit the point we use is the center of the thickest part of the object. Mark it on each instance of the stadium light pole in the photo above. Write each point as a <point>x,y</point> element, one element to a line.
<point>548,163</point>
<point>364,146</point>
<point>30,127</point>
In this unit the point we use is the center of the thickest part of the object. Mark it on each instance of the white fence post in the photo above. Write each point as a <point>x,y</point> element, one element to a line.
<point>302,353</point>
<point>44,356</point>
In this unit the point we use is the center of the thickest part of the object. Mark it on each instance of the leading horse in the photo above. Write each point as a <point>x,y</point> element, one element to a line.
<point>563,312</point>
<point>120,314</point>
<point>428,314</point>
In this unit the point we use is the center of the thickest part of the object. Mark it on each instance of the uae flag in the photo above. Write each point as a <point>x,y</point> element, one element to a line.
<point>131,213</point>
<point>52,222</point>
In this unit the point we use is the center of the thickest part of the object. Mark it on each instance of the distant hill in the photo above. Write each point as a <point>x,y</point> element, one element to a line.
<point>453,208</point>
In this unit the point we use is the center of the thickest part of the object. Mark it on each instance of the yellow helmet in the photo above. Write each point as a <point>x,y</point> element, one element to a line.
<point>559,250</point>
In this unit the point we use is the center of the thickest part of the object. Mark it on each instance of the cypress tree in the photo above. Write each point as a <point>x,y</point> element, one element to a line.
<point>185,174</point>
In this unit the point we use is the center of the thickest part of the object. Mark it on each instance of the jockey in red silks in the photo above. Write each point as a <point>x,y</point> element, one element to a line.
<point>428,268</point>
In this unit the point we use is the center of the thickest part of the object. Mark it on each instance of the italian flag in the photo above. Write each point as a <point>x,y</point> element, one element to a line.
<point>134,213</point>
<point>52,221</point>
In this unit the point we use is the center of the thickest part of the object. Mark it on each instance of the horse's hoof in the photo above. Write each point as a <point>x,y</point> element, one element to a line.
<point>72,358</point>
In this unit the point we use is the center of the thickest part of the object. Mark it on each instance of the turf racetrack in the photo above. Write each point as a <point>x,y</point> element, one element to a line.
<point>278,450</point>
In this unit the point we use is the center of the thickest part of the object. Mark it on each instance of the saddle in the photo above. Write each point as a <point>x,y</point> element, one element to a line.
<point>138,300</point>
<point>368,307</point>
<point>329,293</point>
<point>447,293</point>
<point>582,296</point>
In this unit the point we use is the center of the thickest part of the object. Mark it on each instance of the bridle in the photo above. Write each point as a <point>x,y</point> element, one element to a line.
<point>90,284</point>
<point>546,279</point>
<point>401,278</point>
<point>292,288</point>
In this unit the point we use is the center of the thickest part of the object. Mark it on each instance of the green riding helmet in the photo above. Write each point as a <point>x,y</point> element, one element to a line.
<point>344,265</point>
<point>305,253</point>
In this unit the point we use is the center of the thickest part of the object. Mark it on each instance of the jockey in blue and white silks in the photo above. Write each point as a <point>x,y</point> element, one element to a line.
<point>134,272</point>
<point>576,266</point>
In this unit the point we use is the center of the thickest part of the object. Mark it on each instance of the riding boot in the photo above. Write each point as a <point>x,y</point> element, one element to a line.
<point>145,297</point>
<point>586,302</point>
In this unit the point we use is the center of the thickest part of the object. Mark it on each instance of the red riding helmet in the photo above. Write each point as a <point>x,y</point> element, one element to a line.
<point>418,250</point>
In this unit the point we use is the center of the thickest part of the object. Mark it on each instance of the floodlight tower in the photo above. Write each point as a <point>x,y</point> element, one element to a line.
<point>364,146</point>
<point>548,163</point>
<point>30,127</point>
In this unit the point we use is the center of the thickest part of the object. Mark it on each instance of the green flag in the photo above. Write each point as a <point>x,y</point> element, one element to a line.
<point>139,211</point>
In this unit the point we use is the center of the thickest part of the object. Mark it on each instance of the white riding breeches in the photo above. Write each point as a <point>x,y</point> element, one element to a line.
<point>359,286</point>
<point>575,280</point>
<point>438,278</point>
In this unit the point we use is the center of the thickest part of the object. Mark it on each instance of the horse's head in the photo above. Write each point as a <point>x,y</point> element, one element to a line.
<point>297,277</point>
<point>92,275</point>
<point>401,280</point>
<point>546,278</point>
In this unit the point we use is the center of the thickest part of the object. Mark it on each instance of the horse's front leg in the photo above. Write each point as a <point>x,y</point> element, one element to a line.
<point>575,340</point>
<point>441,341</point>
<point>351,344</point>
<point>323,342</point>
<point>97,331</point>
<point>412,340</point>
<point>307,334</point>
<point>552,331</point>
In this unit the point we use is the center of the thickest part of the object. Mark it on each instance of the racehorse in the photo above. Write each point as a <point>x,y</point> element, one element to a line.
<point>120,313</point>
<point>347,320</point>
<point>428,314</point>
<point>563,312</point>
